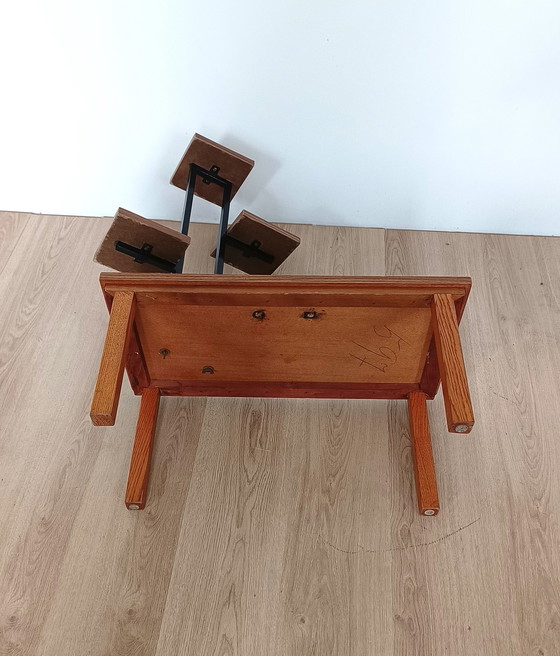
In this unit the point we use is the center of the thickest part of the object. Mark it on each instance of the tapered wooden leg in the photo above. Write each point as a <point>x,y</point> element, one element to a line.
<point>139,473</point>
<point>106,396</point>
<point>424,469</point>
<point>458,407</point>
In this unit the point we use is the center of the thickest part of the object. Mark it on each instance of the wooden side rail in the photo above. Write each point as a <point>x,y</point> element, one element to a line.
<point>109,380</point>
<point>424,468</point>
<point>139,473</point>
<point>458,407</point>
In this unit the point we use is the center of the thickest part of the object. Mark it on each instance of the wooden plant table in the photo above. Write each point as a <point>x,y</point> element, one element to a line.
<point>286,336</point>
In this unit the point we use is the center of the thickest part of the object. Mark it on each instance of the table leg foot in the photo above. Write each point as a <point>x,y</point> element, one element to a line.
<point>424,469</point>
<point>139,473</point>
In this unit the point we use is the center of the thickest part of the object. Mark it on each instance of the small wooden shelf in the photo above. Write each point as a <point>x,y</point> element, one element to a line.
<point>249,228</point>
<point>286,336</point>
<point>208,154</point>
<point>136,231</point>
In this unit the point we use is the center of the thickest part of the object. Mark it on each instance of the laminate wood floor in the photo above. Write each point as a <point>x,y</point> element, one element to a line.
<point>278,527</point>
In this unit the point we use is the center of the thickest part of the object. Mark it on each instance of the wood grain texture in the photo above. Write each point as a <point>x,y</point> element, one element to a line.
<point>275,241</point>
<point>368,333</point>
<point>281,571</point>
<point>281,527</point>
<point>282,290</point>
<point>115,353</point>
<point>12,227</point>
<point>422,456</point>
<point>306,389</point>
<point>458,406</point>
<point>139,471</point>
<point>135,230</point>
<point>499,592</point>
<point>233,166</point>
<point>342,345</point>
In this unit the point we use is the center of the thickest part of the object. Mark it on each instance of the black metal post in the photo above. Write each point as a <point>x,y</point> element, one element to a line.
<point>211,177</point>
<point>187,211</point>
<point>208,177</point>
<point>224,219</point>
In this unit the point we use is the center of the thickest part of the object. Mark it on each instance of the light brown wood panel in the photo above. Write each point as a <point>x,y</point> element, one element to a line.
<point>343,344</point>
<point>501,581</point>
<point>270,572</point>
<point>134,230</point>
<point>79,573</point>
<point>12,226</point>
<point>297,532</point>
<point>272,240</point>
<point>184,332</point>
<point>47,448</point>
<point>206,153</point>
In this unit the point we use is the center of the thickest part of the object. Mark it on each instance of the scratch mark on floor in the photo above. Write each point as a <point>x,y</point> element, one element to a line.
<point>505,398</point>
<point>361,549</point>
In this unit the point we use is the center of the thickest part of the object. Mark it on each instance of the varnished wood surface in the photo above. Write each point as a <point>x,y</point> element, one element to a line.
<point>273,240</point>
<point>206,153</point>
<point>456,395</point>
<point>422,455</point>
<point>135,230</point>
<point>139,472</point>
<point>115,351</point>
<point>342,344</point>
<point>354,332</point>
<point>278,527</point>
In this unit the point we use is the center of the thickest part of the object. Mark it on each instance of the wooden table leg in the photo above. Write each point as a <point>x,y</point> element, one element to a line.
<point>424,469</point>
<point>109,381</point>
<point>139,473</point>
<point>458,407</point>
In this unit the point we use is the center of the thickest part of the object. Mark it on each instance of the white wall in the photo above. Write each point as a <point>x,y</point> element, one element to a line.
<point>435,114</point>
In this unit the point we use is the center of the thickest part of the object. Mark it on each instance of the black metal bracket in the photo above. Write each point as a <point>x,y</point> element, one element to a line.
<point>144,256</point>
<point>208,177</point>
<point>250,250</point>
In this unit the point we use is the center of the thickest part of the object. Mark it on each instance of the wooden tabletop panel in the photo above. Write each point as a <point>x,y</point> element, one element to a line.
<point>258,336</point>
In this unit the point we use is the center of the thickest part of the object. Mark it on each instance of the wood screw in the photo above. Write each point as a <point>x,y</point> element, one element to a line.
<point>207,370</point>
<point>259,314</point>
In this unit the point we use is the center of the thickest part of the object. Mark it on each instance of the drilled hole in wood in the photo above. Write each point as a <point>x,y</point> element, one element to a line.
<point>208,370</point>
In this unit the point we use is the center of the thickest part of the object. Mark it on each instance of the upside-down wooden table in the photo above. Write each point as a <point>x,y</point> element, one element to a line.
<point>286,336</point>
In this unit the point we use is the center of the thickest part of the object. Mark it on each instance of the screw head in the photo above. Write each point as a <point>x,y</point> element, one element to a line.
<point>310,314</point>
<point>208,369</point>
<point>259,314</point>
<point>429,512</point>
<point>133,506</point>
<point>461,428</point>
<point>165,352</point>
